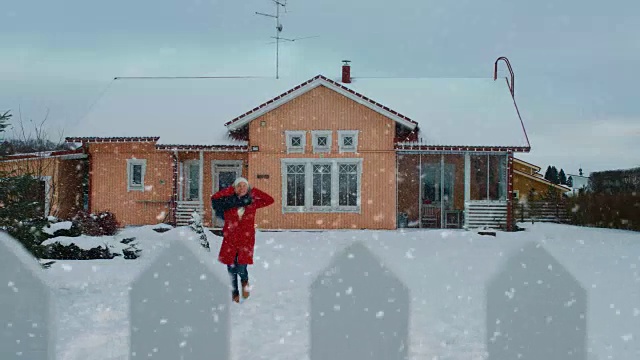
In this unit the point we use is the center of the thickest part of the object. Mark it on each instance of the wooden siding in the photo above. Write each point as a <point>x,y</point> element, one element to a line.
<point>65,181</point>
<point>324,109</point>
<point>521,167</point>
<point>524,185</point>
<point>109,182</point>
<point>68,188</point>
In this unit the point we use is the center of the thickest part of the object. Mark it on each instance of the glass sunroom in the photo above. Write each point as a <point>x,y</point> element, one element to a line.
<point>452,189</point>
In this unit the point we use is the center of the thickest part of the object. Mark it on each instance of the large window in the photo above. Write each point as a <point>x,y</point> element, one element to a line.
<point>488,177</point>
<point>321,185</point>
<point>438,189</point>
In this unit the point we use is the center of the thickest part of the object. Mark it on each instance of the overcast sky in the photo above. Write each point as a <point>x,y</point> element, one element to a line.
<point>575,61</point>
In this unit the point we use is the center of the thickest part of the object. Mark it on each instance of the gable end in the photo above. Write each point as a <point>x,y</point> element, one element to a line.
<point>310,85</point>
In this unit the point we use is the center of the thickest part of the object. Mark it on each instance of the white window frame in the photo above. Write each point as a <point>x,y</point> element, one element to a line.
<point>303,141</point>
<point>315,134</point>
<point>130,164</point>
<point>347,149</point>
<point>335,185</point>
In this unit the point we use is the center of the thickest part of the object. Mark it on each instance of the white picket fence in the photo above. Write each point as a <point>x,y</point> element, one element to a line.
<point>179,309</point>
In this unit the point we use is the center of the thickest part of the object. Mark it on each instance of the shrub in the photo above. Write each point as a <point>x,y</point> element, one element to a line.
<point>29,233</point>
<point>103,223</point>
<point>616,211</point>
<point>58,251</point>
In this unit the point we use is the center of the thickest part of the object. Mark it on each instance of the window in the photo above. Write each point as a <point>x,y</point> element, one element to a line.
<point>296,141</point>
<point>321,185</point>
<point>136,169</point>
<point>295,187</point>
<point>348,140</point>
<point>435,189</point>
<point>516,194</point>
<point>321,141</point>
<point>488,177</point>
<point>348,185</point>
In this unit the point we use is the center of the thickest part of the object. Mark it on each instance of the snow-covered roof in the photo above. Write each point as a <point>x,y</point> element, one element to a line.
<point>452,111</point>
<point>194,111</point>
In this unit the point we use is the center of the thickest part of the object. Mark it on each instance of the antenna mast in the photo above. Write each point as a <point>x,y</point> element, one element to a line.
<point>278,4</point>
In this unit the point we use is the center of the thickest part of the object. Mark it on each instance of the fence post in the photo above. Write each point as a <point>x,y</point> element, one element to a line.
<point>26,312</point>
<point>179,309</point>
<point>359,310</point>
<point>535,310</point>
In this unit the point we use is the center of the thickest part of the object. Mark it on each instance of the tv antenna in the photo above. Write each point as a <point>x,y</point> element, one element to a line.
<point>279,27</point>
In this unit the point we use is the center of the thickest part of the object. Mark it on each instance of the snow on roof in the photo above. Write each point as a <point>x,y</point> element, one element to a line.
<point>452,111</point>
<point>181,111</point>
<point>463,111</point>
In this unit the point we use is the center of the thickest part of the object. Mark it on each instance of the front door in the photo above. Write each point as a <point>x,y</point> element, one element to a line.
<point>191,181</point>
<point>225,172</point>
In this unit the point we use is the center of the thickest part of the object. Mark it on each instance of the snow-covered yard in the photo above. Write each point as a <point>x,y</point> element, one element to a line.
<point>446,271</point>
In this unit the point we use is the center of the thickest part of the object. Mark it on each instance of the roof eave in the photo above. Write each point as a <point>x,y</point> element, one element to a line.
<point>208,148</point>
<point>538,168</point>
<point>97,139</point>
<point>460,148</point>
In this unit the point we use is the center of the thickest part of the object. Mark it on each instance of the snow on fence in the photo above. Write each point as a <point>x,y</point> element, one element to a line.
<point>179,309</point>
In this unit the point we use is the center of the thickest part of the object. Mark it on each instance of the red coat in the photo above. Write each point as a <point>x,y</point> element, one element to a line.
<point>239,234</point>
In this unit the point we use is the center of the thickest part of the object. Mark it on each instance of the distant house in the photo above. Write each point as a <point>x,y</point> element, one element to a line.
<point>578,182</point>
<point>528,180</point>
<point>345,153</point>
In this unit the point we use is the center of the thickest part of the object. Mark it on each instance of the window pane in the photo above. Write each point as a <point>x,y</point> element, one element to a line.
<point>194,181</point>
<point>497,177</point>
<point>295,185</point>
<point>348,185</point>
<point>226,179</point>
<point>488,177</point>
<point>479,177</point>
<point>321,185</point>
<point>347,141</point>
<point>296,141</point>
<point>322,141</point>
<point>136,177</point>
<point>430,183</point>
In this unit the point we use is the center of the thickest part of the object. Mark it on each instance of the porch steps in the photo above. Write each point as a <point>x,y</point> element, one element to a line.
<point>185,209</point>
<point>490,214</point>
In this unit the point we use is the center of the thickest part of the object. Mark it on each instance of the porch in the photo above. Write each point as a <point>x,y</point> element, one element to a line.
<point>452,189</point>
<point>198,176</point>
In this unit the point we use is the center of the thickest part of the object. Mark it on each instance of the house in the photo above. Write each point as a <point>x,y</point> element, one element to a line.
<point>528,181</point>
<point>578,182</point>
<point>61,175</point>
<point>336,153</point>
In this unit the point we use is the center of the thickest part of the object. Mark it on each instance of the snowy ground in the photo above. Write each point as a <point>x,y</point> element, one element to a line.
<point>446,272</point>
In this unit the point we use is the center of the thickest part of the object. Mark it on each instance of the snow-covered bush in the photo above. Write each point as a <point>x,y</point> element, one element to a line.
<point>195,223</point>
<point>103,223</point>
<point>90,248</point>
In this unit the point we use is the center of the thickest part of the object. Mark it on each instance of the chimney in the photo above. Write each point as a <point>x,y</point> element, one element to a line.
<point>346,72</point>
